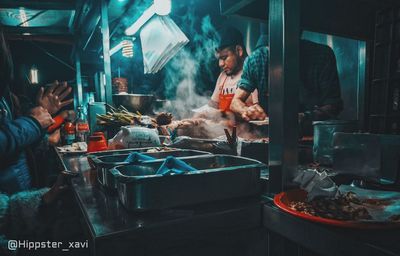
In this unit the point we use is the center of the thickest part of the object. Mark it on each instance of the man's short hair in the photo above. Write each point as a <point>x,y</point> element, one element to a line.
<point>230,37</point>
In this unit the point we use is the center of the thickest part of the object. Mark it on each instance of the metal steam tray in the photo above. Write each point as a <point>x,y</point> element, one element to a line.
<point>105,162</point>
<point>217,177</point>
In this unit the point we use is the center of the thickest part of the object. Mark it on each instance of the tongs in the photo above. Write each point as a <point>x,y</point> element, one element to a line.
<point>232,139</point>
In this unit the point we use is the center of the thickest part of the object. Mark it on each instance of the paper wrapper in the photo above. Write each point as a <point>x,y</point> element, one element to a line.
<point>317,184</point>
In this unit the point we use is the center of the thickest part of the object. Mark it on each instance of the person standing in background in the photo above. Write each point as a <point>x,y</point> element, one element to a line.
<point>319,93</point>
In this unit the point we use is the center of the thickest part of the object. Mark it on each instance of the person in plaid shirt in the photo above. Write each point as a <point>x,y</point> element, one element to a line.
<point>319,93</point>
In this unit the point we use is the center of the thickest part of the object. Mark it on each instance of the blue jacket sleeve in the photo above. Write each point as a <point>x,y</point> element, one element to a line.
<point>17,134</point>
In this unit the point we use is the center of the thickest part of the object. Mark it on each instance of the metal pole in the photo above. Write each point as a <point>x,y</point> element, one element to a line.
<point>106,50</point>
<point>284,80</point>
<point>99,82</point>
<point>79,90</point>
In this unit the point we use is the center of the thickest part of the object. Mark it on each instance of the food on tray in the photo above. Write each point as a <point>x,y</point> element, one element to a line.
<point>195,128</point>
<point>121,116</point>
<point>345,207</point>
<point>395,217</point>
<point>164,118</point>
<point>257,140</point>
<point>260,122</point>
<point>74,147</point>
<point>118,116</point>
<point>159,149</point>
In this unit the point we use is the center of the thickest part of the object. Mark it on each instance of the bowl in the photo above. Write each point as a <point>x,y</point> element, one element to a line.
<point>135,102</point>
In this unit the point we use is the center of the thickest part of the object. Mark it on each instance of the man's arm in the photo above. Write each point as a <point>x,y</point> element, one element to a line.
<point>17,134</point>
<point>214,101</point>
<point>238,105</point>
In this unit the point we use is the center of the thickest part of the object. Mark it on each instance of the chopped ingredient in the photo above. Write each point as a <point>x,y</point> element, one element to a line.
<point>346,207</point>
<point>164,118</point>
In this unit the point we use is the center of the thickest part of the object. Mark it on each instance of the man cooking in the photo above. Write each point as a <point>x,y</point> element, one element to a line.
<point>231,54</point>
<point>319,93</point>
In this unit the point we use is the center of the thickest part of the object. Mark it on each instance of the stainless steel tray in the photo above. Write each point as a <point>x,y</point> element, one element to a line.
<point>105,162</point>
<point>218,177</point>
<point>93,155</point>
<point>122,151</point>
<point>253,149</point>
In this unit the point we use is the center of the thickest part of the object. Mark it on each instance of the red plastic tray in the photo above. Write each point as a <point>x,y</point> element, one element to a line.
<point>283,200</point>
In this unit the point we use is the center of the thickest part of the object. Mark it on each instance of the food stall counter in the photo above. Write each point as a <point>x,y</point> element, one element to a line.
<point>299,236</point>
<point>228,227</point>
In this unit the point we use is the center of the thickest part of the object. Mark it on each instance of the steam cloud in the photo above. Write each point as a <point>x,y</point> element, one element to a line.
<point>183,72</point>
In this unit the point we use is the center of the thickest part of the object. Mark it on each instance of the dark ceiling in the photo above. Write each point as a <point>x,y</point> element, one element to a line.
<point>349,18</point>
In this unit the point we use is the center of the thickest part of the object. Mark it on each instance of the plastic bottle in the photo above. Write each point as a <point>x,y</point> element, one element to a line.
<point>82,126</point>
<point>68,131</point>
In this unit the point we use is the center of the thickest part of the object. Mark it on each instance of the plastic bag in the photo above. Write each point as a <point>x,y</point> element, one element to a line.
<point>135,137</point>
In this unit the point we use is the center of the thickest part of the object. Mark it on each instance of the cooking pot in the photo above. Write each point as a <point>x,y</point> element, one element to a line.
<point>323,138</point>
<point>135,102</point>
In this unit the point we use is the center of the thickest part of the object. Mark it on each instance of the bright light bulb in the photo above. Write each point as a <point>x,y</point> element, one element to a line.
<point>162,7</point>
<point>127,48</point>
<point>34,75</point>
<point>23,18</point>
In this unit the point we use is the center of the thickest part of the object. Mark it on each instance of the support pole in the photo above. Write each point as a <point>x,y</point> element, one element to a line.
<point>284,81</point>
<point>106,51</point>
<point>79,88</point>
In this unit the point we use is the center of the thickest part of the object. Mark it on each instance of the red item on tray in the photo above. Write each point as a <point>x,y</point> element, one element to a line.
<point>283,201</point>
<point>96,143</point>
<point>100,134</point>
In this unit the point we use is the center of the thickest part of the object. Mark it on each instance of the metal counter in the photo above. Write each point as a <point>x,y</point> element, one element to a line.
<point>298,237</point>
<point>221,228</point>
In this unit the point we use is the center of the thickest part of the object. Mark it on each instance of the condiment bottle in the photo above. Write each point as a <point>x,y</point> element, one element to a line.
<point>82,126</point>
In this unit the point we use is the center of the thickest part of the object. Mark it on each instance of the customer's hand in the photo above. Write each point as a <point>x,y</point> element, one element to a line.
<point>58,187</point>
<point>52,98</point>
<point>54,138</point>
<point>42,116</point>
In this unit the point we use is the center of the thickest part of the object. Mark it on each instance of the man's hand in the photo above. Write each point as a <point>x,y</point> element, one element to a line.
<point>52,98</point>
<point>255,112</point>
<point>42,116</point>
<point>238,105</point>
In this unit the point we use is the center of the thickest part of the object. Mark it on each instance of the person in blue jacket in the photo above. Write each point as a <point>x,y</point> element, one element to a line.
<point>18,133</point>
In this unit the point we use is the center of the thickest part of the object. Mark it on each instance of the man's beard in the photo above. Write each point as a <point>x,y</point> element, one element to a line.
<point>233,71</point>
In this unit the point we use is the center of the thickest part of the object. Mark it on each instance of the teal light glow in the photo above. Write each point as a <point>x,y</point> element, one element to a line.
<point>159,7</point>
<point>141,21</point>
<point>34,75</point>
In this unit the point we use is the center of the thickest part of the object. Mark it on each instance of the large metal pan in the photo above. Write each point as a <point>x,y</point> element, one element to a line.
<point>135,102</point>
<point>104,163</point>
<point>218,177</point>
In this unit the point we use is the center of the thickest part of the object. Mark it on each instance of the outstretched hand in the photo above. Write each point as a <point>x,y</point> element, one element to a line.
<point>52,98</point>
